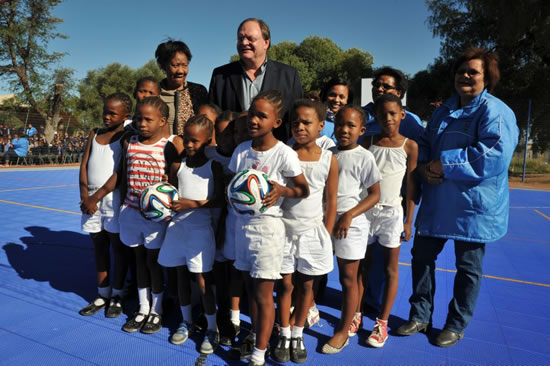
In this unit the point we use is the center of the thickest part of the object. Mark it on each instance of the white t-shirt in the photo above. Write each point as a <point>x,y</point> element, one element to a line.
<point>357,171</point>
<point>279,163</point>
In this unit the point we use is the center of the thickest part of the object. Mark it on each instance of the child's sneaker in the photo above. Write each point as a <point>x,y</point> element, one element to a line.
<point>313,317</point>
<point>355,325</point>
<point>379,334</point>
<point>181,334</point>
<point>210,342</point>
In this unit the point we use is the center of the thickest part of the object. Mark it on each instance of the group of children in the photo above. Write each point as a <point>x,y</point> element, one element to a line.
<point>322,202</point>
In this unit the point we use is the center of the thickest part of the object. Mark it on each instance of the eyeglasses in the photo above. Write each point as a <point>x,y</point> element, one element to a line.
<point>470,72</point>
<point>377,84</point>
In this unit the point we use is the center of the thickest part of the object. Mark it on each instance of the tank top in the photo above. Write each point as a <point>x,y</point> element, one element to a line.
<point>305,213</point>
<point>103,162</point>
<point>197,184</point>
<point>392,163</point>
<point>145,165</point>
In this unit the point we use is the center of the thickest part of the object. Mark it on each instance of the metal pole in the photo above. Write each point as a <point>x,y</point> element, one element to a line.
<point>526,141</point>
<point>26,121</point>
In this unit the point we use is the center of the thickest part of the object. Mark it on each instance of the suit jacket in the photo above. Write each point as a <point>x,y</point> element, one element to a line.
<point>226,88</point>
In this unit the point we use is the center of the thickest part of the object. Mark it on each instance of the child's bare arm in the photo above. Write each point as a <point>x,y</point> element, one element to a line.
<point>411,149</point>
<point>331,195</point>
<point>344,223</point>
<point>299,190</point>
<point>86,206</point>
<point>173,173</point>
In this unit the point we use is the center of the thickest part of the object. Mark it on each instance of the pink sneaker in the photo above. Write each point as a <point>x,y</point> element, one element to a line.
<point>379,334</point>
<point>355,325</point>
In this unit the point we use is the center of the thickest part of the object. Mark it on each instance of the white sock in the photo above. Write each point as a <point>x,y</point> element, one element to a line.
<point>156,307</point>
<point>186,313</point>
<point>235,317</point>
<point>296,333</point>
<point>211,320</point>
<point>258,356</point>
<point>104,292</point>
<point>285,332</point>
<point>143,296</point>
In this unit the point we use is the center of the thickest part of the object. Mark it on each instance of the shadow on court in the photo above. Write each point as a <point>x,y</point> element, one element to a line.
<point>65,259</point>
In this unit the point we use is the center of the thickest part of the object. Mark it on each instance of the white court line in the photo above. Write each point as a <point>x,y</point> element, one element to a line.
<point>32,188</point>
<point>530,208</point>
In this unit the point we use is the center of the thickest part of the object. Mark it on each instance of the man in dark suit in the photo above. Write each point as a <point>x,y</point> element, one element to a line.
<point>234,85</point>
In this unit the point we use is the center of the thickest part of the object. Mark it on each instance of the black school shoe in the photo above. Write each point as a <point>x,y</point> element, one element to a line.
<point>281,353</point>
<point>133,325</point>
<point>92,308</point>
<point>115,307</point>
<point>153,324</point>
<point>229,333</point>
<point>298,354</point>
<point>247,346</point>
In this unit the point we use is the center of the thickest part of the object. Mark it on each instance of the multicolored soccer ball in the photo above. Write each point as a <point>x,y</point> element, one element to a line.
<point>156,200</point>
<point>247,190</point>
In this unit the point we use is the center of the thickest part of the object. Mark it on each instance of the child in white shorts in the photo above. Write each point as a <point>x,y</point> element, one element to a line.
<point>396,157</point>
<point>227,279</point>
<point>100,209</point>
<point>358,191</point>
<point>189,240</point>
<point>307,228</point>
<point>260,239</point>
<point>146,157</point>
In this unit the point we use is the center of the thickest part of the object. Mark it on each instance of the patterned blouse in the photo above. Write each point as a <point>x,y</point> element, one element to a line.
<point>182,103</point>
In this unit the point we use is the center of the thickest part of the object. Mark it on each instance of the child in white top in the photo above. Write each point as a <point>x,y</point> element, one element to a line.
<point>146,158</point>
<point>189,240</point>
<point>260,239</point>
<point>395,156</point>
<point>228,279</point>
<point>100,209</point>
<point>358,191</point>
<point>307,227</point>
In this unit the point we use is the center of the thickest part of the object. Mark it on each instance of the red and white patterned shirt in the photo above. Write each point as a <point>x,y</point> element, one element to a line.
<point>145,165</point>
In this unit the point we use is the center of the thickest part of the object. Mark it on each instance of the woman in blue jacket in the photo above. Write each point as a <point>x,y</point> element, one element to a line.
<point>463,159</point>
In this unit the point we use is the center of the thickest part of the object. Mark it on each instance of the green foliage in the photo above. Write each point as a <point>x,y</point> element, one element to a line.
<point>519,31</point>
<point>319,59</point>
<point>99,83</point>
<point>26,28</point>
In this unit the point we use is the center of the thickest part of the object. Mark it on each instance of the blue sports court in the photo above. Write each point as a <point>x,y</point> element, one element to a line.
<point>47,274</point>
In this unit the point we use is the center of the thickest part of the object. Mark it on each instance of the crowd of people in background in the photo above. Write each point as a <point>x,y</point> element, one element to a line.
<point>28,145</point>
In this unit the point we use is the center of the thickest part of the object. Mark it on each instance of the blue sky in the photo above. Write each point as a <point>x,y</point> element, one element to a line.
<point>101,32</point>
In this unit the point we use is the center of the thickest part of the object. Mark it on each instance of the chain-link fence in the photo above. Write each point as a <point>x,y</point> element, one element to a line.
<point>531,162</point>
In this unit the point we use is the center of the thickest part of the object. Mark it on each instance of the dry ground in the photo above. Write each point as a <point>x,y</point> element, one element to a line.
<point>532,181</point>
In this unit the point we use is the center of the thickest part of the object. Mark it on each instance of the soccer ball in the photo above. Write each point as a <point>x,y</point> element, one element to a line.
<point>156,200</point>
<point>247,190</point>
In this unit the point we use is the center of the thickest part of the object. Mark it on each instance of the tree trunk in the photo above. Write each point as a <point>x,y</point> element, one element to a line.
<point>54,114</point>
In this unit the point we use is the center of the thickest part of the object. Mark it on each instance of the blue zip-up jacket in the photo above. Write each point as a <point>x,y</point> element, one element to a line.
<point>475,145</point>
<point>20,146</point>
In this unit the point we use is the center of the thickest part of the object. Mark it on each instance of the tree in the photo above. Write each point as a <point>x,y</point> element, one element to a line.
<point>99,83</point>
<point>26,27</point>
<point>519,31</point>
<point>319,59</point>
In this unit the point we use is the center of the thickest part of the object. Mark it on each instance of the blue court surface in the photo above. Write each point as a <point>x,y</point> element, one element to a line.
<point>47,275</point>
